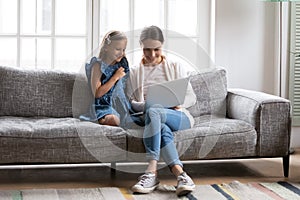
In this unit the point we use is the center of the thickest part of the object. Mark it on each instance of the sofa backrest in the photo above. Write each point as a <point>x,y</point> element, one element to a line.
<point>51,93</point>
<point>211,91</point>
<point>48,93</point>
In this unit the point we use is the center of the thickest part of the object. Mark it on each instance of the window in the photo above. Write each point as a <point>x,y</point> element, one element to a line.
<point>39,33</point>
<point>63,34</point>
<point>187,25</point>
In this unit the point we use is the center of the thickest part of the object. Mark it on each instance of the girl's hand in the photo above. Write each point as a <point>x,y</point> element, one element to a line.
<point>119,73</point>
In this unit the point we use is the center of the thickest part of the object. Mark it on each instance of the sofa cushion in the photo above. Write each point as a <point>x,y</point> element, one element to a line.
<point>210,137</point>
<point>59,140</point>
<point>48,93</point>
<point>211,90</point>
<point>217,137</point>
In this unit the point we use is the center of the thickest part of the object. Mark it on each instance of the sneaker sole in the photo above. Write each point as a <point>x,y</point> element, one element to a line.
<point>184,190</point>
<point>143,190</point>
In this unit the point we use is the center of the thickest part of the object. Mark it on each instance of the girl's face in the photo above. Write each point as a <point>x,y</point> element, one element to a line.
<point>115,51</point>
<point>152,50</point>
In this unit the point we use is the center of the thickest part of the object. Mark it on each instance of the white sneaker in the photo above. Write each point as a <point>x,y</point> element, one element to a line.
<point>147,183</point>
<point>185,184</point>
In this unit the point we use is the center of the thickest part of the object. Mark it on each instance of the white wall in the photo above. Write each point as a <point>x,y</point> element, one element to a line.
<point>245,43</point>
<point>246,46</point>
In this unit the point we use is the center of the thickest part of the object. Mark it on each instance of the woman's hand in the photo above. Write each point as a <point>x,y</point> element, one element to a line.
<point>176,108</point>
<point>138,106</point>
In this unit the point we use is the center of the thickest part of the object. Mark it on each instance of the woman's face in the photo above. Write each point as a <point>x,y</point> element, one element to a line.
<point>115,51</point>
<point>152,50</point>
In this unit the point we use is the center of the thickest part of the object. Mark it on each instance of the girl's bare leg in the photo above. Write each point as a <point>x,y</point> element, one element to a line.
<point>111,120</point>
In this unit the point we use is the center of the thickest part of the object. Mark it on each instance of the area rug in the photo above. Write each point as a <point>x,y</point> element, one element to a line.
<point>229,191</point>
<point>106,193</point>
<point>232,191</point>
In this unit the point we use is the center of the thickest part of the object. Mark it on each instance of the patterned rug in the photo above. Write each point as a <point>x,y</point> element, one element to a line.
<point>106,193</point>
<point>232,191</point>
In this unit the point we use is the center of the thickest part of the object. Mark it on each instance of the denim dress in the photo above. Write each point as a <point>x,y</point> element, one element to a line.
<point>114,101</point>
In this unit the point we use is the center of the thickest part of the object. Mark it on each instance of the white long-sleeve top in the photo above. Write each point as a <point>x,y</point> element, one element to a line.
<point>173,70</point>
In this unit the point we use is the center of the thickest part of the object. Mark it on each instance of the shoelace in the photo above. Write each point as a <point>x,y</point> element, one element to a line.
<point>144,179</point>
<point>182,179</point>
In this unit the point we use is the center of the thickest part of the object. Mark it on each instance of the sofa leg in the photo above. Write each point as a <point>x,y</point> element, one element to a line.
<point>113,166</point>
<point>286,165</point>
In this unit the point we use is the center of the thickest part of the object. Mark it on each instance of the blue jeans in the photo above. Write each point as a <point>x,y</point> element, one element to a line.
<point>158,133</point>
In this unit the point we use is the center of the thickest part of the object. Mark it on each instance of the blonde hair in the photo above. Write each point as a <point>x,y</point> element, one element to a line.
<point>106,41</point>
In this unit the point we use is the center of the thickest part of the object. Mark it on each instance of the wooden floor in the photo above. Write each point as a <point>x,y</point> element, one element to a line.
<point>202,172</point>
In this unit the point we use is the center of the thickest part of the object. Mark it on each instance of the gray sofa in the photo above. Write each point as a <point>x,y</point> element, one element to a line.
<point>39,122</point>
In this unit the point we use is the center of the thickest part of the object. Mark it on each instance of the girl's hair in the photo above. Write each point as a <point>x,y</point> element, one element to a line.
<point>108,38</point>
<point>152,32</point>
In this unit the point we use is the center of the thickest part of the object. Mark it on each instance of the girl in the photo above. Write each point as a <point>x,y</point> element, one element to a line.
<point>106,78</point>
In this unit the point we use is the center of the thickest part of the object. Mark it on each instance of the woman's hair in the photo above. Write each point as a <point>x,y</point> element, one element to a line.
<point>152,32</point>
<point>108,38</point>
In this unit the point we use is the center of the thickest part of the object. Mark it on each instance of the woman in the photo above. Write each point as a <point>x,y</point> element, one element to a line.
<point>159,122</point>
<point>105,75</point>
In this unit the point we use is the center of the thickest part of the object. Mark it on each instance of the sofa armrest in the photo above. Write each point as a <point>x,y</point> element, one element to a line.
<point>269,114</point>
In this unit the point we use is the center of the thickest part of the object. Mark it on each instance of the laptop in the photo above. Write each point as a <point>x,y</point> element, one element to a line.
<point>168,94</point>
